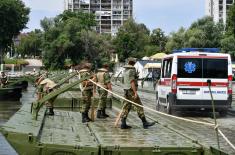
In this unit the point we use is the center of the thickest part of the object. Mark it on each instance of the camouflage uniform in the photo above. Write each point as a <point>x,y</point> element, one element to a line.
<point>103,79</point>
<point>3,80</point>
<point>40,91</point>
<point>50,103</point>
<point>48,88</point>
<point>87,91</point>
<point>130,74</point>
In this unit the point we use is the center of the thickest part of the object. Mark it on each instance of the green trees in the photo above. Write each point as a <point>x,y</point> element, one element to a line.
<point>228,41</point>
<point>131,40</point>
<point>31,44</point>
<point>47,23</point>
<point>176,40</point>
<point>66,36</point>
<point>211,32</point>
<point>157,42</point>
<point>71,36</point>
<point>13,18</point>
<point>158,39</point>
<point>203,33</point>
<point>135,39</point>
<point>230,26</point>
<point>228,44</point>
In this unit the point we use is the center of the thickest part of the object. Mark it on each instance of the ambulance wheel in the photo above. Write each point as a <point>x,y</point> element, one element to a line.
<point>223,113</point>
<point>168,107</point>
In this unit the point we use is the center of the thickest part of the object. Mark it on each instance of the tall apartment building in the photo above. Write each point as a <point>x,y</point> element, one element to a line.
<point>218,9</point>
<point>110,14</point>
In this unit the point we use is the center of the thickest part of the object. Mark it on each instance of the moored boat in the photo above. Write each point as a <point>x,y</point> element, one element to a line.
<point>10,94</point>
<point>21,83</point>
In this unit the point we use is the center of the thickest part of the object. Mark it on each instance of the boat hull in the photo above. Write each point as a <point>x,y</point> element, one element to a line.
<point>22,84</point>
<point>10,94</point>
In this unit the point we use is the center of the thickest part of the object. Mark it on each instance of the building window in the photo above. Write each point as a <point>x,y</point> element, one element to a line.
<point>221,8</point>
<point>220,2</point>
<point>229,1</point>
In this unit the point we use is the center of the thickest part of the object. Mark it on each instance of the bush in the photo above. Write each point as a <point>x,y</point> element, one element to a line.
<point>16,62</point>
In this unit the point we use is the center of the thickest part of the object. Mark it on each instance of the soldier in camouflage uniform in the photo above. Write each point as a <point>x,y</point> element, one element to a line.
<point>87,90</point>
<point>47,87</point>
<point>130,92</point>
<point>3,79</point>
<point>103,79</point>
<point>40,86</point>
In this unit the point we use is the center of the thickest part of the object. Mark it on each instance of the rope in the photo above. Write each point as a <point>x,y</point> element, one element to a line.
<point>226,139</point>
<point>213,107</point>
<point>216,126</point>
<point>150,109</point>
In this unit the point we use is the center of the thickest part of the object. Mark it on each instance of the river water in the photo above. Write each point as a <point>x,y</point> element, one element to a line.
<point>7,109</point>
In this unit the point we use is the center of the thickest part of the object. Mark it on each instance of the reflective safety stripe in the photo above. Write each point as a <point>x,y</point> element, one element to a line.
<point>214,84</point>
<point>167,82</point>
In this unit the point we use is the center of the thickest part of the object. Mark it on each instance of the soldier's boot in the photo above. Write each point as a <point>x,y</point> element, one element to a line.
<point>104,113</point>
<point>99,114</point>
<point>87,117</point>
<point>124,125</point>
<point>146,124</point>
<point>50,111</point>
<point>84,118</point>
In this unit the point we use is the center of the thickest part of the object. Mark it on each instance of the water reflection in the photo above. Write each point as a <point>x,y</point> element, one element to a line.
<point>8,109</point>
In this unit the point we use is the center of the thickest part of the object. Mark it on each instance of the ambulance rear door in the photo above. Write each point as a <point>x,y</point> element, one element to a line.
<point>189,79</point>
<point>216,70</point>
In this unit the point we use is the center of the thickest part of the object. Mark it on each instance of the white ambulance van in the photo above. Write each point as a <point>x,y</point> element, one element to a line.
<point>183,83</point>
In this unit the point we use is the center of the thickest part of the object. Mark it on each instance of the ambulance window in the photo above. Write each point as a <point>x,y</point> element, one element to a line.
<point>166,70</point>
<point>215,68</point>
<point>189,68</point>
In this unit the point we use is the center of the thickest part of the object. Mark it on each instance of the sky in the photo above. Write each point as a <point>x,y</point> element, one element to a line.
<point>169,15</point>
